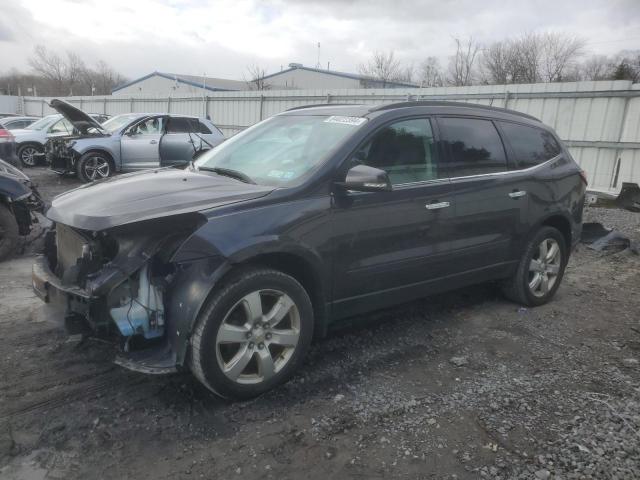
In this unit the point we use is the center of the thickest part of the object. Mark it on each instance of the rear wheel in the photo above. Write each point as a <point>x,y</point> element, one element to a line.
<point>540,270</point>
<point>252,334</point>
<point>29,154</point>
<point>9,232</point>
<point>93,166</point>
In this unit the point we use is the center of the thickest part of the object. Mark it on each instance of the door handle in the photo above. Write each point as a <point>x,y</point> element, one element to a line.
<point>153,142</point>
<point>517,194</point>
<point>437,205</point>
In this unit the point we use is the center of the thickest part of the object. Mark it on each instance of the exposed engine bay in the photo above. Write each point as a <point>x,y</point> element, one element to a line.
<point>116,281</point>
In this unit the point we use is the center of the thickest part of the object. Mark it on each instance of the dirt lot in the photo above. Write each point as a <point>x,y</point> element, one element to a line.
<point>465,385</point>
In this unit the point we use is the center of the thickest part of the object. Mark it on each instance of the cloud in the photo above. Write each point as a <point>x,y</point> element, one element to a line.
<point>222,37</point>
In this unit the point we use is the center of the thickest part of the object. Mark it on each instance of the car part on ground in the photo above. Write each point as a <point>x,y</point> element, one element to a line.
<point>231,266</point>
<point>19,199</point>
<point>599,238</point>
<point>127,142</point>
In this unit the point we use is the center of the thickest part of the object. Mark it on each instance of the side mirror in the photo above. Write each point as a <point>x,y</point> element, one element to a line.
<point>362,178</point>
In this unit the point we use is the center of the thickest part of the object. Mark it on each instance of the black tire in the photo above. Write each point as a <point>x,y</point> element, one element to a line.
<point>205,355</point>
<point>28,154</point>
<point>517,288</point>
<point>94,166</point>
<point>9,233</point>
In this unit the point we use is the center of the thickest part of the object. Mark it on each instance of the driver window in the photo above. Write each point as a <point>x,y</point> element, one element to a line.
<point>61,126</point>
<point>405,150</point>
<point>150,126</point>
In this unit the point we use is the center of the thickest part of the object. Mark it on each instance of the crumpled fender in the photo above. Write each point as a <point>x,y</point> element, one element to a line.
<point>12,189</point>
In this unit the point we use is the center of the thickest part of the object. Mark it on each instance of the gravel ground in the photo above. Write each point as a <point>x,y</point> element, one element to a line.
<point>465,385</point>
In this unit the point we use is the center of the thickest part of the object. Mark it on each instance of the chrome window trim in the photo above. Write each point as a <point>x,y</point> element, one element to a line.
<point>508,172</point>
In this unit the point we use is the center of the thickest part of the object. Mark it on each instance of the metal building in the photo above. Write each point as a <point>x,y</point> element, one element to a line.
<point>299,77</point>
<point>159,83</point>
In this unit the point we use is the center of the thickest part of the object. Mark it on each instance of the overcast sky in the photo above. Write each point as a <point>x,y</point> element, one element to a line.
<point>222,37</point>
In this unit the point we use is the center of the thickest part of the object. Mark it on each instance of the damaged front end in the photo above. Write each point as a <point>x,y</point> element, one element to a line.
<point>60,155</point>
<point>117,283</point>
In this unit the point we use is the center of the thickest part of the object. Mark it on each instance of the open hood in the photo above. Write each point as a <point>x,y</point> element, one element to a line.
<point>146,195</point>
<point>80,120</point>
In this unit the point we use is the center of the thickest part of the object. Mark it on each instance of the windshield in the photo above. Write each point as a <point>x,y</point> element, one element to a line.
<point>116,123</point>
<point>281,149</point>
<point>43,122</point>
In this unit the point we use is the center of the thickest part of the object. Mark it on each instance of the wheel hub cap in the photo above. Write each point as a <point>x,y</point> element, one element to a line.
<point>258,336</point>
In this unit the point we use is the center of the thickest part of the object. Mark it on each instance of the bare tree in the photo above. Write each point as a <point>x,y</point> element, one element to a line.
<point>431,73</point>
<point>597,67</point>
<point>627,66</point>
<point>498,62</point>
<point>560,53</point>
<point>461,65</point>
<point>51,66</point>
<point>257,76</point>
<point>74,70</point>
<point>383,66</point>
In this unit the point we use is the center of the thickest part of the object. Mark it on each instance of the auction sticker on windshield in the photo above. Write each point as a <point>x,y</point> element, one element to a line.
<point>346,120</point>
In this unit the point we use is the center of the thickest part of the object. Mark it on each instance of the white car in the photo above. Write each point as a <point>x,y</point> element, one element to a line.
<point>30,141</point>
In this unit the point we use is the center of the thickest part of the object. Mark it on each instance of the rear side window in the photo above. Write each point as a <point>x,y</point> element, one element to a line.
<point>202,128</point>
<point>531,146</point>
<point>182,125</point>
<point>474,146</point>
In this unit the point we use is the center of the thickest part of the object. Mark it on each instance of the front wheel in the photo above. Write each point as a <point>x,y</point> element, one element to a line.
<point>540,270</point>
<point>252,334</point>
<point>93,166</point>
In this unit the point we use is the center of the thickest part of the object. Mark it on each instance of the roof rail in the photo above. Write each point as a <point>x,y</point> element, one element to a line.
<point>436,103</point>
<point>322,105</point>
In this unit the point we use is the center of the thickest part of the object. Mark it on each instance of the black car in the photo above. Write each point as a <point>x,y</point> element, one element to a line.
<point>231,267</point>
<point>19,199</point>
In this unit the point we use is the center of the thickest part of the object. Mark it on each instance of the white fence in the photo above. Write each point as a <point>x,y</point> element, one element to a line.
<point>599,121</point>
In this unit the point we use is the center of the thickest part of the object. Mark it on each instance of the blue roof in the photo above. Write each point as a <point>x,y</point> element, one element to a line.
<point>353,76</point>
<point>186,79</point>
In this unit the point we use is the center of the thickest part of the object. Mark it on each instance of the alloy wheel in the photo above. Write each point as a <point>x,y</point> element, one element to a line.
<point>544,267</point>
<point>258,336</point>
<point>28,156</point>
<point>96,168</point>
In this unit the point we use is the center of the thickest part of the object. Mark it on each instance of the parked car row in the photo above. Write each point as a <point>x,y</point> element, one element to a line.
<point>94,146</point>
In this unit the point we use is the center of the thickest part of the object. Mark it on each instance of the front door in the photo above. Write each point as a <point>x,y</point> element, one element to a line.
<point>491,201</point>
<point>139,146</point>
<point>389,246</point>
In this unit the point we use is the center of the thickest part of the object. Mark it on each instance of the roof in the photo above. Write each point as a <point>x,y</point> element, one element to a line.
<point>208,83</point>
<point>441,107</point>
<point>353,76</point>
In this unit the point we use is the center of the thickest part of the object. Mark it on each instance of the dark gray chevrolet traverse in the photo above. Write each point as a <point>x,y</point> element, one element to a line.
<point>231,267</point>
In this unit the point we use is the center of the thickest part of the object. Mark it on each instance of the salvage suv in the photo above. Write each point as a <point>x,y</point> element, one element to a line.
<point>231,267</point>
<point>127,142</point>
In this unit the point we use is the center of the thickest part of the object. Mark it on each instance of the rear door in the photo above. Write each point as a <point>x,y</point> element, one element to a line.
<point>390,245</point>
<point>178,144</point>
<point>491,201</point>
<point>139,145</point>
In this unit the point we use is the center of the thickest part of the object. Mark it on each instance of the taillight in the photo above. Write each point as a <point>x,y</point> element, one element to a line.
<point>583,176</point>
<point>5,136</point>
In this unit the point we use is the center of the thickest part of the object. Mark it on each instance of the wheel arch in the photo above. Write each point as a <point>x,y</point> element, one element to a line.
<point>303,271</point>
<point>101,151</point>
<point>563,225</point>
